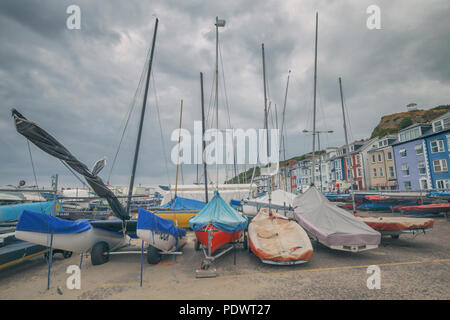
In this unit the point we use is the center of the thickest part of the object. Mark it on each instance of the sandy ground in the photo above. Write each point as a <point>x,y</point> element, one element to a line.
<point>411,268</point>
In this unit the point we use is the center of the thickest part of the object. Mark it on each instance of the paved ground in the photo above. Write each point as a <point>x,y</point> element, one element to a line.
<point>411,268</point>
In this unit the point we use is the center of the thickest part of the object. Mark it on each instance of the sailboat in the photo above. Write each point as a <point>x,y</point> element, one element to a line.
<point>217,224</point>
<point>323,221</point>
<point>97,237</point>
<point>273,238</point>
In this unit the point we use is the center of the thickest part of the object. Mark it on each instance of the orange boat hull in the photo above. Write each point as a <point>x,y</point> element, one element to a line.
<point>219,239</point>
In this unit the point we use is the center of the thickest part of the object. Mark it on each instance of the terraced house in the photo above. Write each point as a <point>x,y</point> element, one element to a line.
<point>382,164</point>
<point>421,155</point>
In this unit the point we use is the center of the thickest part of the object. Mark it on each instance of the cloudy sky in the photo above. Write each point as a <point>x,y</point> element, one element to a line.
<point>79,84</point>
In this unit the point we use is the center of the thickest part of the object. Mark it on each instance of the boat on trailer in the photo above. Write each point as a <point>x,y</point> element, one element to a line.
<point>432,208</point>
<point>217,225</point>
<point>332,226</point>
<point>395,226</point>
<point>278,240</point>
<point>179,210</point>
<point>80,236</point>
<point>160,234</point>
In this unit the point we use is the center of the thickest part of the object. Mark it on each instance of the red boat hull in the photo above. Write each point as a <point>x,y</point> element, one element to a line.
<point>219,239</point>
<point>427,208</point>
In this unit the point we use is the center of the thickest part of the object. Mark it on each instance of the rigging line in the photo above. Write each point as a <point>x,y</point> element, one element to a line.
<point>161,132</point>
<point>210,106</point>
<point>76,176</point>
<point>130,111</point>
<point>32,165</point>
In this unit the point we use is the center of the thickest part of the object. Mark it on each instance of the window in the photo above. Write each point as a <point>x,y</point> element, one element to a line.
<point>421,166</point>
<point>379,157</point>
<point>381,172</point>
<point>389,154</point>
<point>391,171</point>
<point>419,149</point>
<point>374,172</point>
<point>403,153</point>
<point>423,184</point>
<point>405,170</point>
<point>437,126</point>
<point>448,141</point>
<point>440,165</point>
<point>443,184</point>
<point>359,172</point>
<point>373,158</point>
<point>358,161</point>
<point>408,185</point>
<point>437,145</point>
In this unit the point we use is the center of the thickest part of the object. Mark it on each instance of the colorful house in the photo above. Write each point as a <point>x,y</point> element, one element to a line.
<point>382,165</point>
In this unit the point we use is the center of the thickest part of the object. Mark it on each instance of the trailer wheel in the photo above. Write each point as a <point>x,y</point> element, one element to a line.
<point>197,245</point>
<point>67,254</point>
<point>153,256</point>
<point>100,253</point>
<point>395,236</point>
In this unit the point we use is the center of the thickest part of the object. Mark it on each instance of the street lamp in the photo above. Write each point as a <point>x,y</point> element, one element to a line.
<point>320,159</point>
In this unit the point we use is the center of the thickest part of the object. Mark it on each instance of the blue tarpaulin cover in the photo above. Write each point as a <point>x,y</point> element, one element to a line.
<point>438,194</point>
<point>149,221</point>
<point>221,215</point>
<point>13,211</point>
<point>179,203</point>
<point>44,223</point>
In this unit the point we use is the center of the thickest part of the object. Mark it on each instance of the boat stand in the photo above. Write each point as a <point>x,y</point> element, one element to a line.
<point>205,271</point>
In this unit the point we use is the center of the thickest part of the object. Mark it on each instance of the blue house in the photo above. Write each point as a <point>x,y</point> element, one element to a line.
<point>438,146</point>
<point>410,153</point>
<point>421,155</point>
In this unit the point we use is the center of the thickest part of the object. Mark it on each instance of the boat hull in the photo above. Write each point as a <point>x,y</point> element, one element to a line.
<point>398,224</point>
<point>161,241</point>
<point>75,242</point>
<point>278,240</point>
<point>219,237</point>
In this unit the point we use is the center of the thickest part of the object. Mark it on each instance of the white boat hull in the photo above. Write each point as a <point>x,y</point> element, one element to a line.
<point>75,242</point>
<point>161,241</point>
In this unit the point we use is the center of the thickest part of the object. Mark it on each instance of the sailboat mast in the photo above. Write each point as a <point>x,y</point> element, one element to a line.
<point>138,142</point>
<point>346,142</point>
<point>266,122</point>
<point>179,140</point>
<point>219,23</point>
<point>282,131</point>
<point>314,112</point>
<point>203,138</point>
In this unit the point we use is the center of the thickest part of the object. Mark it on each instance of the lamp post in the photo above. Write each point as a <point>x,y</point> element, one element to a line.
<point>320,158</point>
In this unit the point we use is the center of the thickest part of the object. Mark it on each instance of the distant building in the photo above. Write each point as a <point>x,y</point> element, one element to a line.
<point>421,155</point>
<point>382,165</point>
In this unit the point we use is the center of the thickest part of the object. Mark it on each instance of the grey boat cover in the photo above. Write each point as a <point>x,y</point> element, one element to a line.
<point>333,226</point>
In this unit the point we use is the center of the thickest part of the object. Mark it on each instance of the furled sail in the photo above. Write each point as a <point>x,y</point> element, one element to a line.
<point>47,143</point>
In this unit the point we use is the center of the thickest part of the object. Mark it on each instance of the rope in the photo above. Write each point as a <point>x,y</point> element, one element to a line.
<point>130,111</point>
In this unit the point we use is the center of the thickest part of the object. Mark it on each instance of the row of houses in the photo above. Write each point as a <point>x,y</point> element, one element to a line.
<point>414,159</point>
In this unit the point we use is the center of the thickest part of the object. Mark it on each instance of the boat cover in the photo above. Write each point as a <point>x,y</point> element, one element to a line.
<point>179,203</point>
<point>438,194</point>
<point>278,197</point>
<point>44,223</point>
<point>221,215</point>
<point>397,223</point>
<point>333,226</point>
<point>50,145</point>
<point>13,211</point>
<point>149,221</point>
